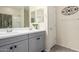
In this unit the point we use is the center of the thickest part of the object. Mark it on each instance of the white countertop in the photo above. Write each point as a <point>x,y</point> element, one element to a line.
<point>14,33</point>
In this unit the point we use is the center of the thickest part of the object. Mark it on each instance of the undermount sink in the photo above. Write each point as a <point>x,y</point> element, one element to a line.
<point>6,33</point>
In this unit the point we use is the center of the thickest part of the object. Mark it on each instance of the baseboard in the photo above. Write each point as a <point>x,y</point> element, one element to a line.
<point>48,50</point>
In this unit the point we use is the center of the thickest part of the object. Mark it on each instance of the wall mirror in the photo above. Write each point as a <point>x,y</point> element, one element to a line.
<point>33,20</point>
<point>37,16</point>
<point>14,16</point>
<point>40,15</point>
<point>21,16</point>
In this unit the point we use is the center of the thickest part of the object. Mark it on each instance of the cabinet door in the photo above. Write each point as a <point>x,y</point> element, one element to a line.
<point>21,46</point>
<point>6,48</point>
<point>40,43</point>
<point>36,44</point>
<point>51,28</point>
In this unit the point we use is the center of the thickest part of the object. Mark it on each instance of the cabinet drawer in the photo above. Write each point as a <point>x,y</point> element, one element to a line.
<point>12,39</point>
<point>42,33</point>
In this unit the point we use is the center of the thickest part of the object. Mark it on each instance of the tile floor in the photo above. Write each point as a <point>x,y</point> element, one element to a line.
<point>58,48</point>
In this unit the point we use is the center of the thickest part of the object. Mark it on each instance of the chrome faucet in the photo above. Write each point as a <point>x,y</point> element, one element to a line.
<point>9,29</point>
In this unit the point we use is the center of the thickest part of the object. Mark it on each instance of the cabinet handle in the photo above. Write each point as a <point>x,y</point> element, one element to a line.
<point>15,46</point>
<point>38,38</point>
<point>11,48</point>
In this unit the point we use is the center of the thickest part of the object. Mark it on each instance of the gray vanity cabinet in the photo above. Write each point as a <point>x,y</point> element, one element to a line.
<point>33,42</point>
<point>36,42</point>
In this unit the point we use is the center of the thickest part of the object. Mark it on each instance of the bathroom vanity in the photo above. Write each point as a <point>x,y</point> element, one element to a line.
<point>31,41</point>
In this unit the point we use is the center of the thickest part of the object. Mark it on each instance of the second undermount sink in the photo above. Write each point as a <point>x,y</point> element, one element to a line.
<point>12,32</point>
<point>6,33</point>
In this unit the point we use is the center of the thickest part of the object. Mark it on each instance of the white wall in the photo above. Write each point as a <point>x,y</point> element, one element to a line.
<point>68,30</point>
